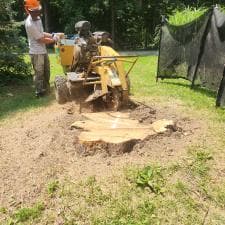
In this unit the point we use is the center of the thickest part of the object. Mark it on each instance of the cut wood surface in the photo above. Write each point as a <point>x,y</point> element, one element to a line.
<point>116,127</point>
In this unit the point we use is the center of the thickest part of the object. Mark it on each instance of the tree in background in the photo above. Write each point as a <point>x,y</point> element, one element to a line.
<point>12,46</point>
<point>127,23</point>
<point>132,23</point>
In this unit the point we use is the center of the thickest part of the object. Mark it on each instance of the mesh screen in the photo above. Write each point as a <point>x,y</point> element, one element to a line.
<point>196,52</point>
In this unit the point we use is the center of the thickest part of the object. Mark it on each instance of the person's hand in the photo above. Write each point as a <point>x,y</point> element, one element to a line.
<point>55,38</point>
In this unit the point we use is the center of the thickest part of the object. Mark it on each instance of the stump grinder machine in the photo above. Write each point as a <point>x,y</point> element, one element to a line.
<point>94,71</point>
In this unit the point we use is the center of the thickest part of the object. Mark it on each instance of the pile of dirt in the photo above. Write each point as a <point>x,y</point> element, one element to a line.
<point>143,113</point>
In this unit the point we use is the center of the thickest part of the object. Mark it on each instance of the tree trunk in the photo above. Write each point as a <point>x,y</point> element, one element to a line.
<point>46,10</point>
<point>113,20</point>
<point>146,37</point>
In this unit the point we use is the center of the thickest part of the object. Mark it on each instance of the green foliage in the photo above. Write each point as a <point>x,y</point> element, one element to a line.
<point>187,15</point>
<point>74,11</point>
<point>12,46</point>
<point>152,177</point>
<point>25,214</point>
<point>3,210</point>
<point>94,194</point>
<point>136,22</point>
<point>52,187</point>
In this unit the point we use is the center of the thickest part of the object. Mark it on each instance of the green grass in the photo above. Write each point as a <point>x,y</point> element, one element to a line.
<point>3,210</point>
<point>26,215</point>
<point>181,17</point>
<point>152,178</point>
<point>52,187</point>
<point>198,165</point>
<point>144,85</point>
<point>18,98</point>
<point>154,194</point>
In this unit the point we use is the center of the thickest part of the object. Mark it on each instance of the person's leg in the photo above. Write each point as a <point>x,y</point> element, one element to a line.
<point>38,66</point>
<point>46,73</point>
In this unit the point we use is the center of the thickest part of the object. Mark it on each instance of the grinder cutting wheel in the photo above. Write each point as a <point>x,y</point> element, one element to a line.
<point>93,71</point>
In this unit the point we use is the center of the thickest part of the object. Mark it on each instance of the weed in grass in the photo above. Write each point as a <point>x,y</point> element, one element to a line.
<point>181,187</point>
<point>91,181</point>
<point>184,194</point>
<point>3,210</point>
<point>25,214</point>
<point>52,187</point>
<point>93,193</point>
<point>147,208</point>
<point>196,168</point>
<point>152,177</point>
<point>199,165</point>
<point>174,168</point>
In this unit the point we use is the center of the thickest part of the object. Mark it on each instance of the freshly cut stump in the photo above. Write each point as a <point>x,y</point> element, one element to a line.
<point>115,132</point>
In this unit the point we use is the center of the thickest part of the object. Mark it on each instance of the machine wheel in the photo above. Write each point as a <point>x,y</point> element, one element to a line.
<point>114,100</point>
<point>61,90</point>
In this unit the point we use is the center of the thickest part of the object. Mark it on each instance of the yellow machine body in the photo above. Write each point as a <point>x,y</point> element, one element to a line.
<point>64,51</point>
<point>66,55</point>
<point>118,65</point>
<point>107,66</point>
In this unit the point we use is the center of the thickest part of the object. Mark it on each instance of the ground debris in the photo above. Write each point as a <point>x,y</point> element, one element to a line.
<point>143,113</point>
<point>39,146</point>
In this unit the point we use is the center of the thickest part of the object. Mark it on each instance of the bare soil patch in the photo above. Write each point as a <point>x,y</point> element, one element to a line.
<point>41,146</point>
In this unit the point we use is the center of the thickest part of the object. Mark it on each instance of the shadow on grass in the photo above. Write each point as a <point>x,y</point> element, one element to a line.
<point>21,97</point>
<point>196,88</point>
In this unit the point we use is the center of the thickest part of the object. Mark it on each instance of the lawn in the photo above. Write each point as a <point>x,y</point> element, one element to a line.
<point>190,190</point>
<point>143,84</point>
<point>17,98</point>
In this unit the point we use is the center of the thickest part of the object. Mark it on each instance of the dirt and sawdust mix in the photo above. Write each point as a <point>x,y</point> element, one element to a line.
<point>41,145</point>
